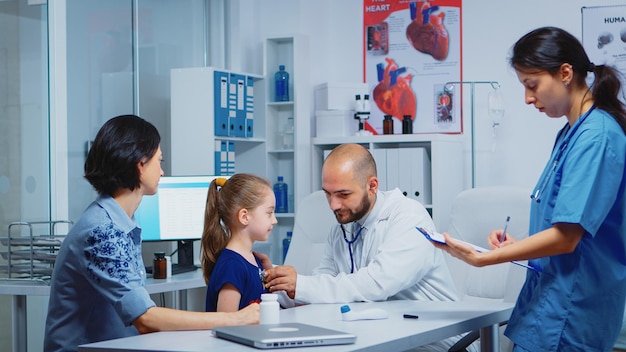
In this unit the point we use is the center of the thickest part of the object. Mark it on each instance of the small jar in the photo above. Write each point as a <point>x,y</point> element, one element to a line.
<point>407,125</point>
<point>388,125</point>
<point>270,309</point>
<point>159,267</point>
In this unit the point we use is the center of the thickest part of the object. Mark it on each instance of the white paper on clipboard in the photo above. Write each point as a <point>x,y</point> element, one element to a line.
<point>437,237</point>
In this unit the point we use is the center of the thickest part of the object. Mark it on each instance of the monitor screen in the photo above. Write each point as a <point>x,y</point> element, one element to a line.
<point>176,211</point>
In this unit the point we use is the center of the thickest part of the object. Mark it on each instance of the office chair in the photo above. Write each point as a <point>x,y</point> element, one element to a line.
<point>312,225</point>
<point>474,214</point>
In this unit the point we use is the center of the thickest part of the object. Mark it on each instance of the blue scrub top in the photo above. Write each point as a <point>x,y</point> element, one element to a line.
<point>576,301</point>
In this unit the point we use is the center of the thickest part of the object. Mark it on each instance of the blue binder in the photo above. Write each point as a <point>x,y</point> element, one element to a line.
<point>249,126</point>
<point>224,158</point>
<point>237,97</point>
<point>220,97</point>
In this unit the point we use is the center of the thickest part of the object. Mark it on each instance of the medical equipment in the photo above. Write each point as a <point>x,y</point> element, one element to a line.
<point>350,242</point>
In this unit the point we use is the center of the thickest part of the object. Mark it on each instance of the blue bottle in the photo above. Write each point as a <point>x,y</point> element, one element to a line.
<point>280,191</point>
<point>286,243</point>
<point>281,81</point>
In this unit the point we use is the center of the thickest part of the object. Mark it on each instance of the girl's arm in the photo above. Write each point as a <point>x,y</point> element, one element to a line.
<point>228,299</point>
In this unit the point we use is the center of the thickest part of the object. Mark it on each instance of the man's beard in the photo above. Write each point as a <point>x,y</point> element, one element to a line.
<point>354,216</point>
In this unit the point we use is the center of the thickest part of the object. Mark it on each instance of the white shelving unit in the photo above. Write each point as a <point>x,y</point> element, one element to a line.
<point>193,125</point>
<point>294,163</point>
<point>446,158</point>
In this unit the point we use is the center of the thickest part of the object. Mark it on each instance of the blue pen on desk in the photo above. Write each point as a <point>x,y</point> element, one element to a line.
<point>506,224</point>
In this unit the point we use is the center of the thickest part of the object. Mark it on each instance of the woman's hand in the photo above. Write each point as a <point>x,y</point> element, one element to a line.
<point>495,242</point>
<point>462,251</point>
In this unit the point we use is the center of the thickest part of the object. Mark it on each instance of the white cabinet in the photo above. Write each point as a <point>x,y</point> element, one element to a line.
<point>427,167</point>
<point>405,168</point>
<point>292,162</point>
<point>196,94</point>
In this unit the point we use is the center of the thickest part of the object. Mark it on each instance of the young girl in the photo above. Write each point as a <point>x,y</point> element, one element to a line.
<point>239,211</point>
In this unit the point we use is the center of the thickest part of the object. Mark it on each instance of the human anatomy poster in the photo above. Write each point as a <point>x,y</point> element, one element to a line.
<point>604,35</point>
<point>411,49</point>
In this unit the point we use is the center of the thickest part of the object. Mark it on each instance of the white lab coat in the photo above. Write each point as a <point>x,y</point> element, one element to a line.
<point>392,259</point>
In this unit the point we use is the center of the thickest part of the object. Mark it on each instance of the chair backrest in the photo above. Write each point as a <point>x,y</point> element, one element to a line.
<point>312,225</point>
<point>475,213</point>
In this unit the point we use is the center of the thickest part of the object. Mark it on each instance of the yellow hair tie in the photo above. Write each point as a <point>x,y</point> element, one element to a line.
<point>220,181</point>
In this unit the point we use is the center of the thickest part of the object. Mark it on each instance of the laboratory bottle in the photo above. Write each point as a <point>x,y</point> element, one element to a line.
<point>286,243</point>
<point>281,82</point>
<point>388,124</point>
<point>159,267</point>
<point>270,309</point>
<point>280,192</point>
<point>358,103</point>
<point>288,134</point>
<point>407,125</point>
<point>366,103</point>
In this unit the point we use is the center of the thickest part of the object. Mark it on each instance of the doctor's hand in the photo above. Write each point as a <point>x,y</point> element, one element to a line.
<point>266,263</point>
<point>282,278</point>
<point>460,250</point>
<point>495,237</point>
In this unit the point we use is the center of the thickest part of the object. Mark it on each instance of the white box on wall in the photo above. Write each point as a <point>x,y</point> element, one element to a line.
<point>335,123</point>
<point>338,96</point>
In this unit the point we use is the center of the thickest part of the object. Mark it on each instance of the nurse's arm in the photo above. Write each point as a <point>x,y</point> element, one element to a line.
<point>561,238</point>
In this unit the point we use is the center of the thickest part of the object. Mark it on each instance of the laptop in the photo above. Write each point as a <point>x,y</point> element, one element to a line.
<point>266,336</point>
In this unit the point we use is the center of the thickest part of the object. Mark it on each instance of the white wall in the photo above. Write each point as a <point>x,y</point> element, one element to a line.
<point>490,28</point>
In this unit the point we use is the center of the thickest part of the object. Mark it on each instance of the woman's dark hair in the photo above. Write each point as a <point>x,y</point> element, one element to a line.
<point>121,143</point>
<point>547,48</point>
<point>241,191</point>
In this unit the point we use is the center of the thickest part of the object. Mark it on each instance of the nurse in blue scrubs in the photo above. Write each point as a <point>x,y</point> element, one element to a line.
<point>573,299</point>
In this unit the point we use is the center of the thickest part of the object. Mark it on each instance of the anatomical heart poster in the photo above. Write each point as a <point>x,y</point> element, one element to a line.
<point>411,49</point>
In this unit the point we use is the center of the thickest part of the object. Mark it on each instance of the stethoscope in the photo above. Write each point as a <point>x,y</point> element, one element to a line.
<point>569,133</point>
<point>350,242</point>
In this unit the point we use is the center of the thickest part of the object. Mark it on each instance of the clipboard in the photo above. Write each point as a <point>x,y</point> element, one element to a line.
<point>438,237</point>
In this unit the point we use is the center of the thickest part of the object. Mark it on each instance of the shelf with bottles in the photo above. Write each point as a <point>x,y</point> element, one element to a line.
<point>280,136</point>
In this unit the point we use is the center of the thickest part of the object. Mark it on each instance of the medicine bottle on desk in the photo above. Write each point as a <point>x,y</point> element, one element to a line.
<point>270,309</point>
<point>159,267</point>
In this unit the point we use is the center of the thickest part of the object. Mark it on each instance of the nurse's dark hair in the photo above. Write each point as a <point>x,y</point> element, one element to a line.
<point>547,48</point>
<point>120,145</point>
<point>223,203</point>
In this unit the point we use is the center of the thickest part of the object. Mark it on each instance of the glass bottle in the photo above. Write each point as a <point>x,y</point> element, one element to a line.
<point>388,124</point>
<point>159,267</point>
<point>407,125</point>
<point>280,191</point>
<point>281,84</point>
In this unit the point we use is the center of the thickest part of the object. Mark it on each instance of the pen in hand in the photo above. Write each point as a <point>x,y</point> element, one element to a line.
<point>506,224</point>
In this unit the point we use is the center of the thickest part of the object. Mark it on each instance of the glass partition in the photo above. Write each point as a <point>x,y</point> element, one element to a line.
<point>24,128</point>
<point>119,60</point>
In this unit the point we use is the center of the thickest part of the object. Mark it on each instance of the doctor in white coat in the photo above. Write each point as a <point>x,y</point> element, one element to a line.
<point>374,253</point>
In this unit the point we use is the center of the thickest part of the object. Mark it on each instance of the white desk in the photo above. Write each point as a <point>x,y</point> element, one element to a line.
<point>20,289</point>
<point>437,321</point>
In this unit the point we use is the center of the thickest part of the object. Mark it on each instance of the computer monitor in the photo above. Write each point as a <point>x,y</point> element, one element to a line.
<point>176,213</point>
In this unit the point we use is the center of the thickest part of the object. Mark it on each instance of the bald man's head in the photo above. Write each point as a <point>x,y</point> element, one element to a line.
<point>352,160</point>
<point>349,181</point>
